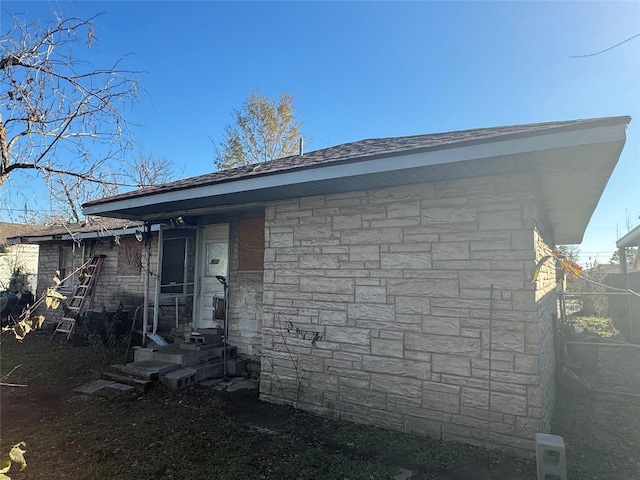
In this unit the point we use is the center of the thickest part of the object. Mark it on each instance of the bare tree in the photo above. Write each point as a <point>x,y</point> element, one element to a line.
<point>263,130</point>
<point>147,169</point>
<point>69,192</point>
<point>572,252</point>
<point>60,118</point>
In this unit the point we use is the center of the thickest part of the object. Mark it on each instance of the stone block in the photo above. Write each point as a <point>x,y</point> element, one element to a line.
<point>452,216</point>
<point>236,366</point>
<point>319,262</point>
<point>500,219</point>
<point>406,260</point>
<point>372,363</point>
<point>331,317</point>
<point>375,312</point>
<point>450,251</point>
<point>280,240</point>
<point>345,222</point>
<point>501,279</point>
<point>364,253</point>
<point>361,397</point>
<point>396,385</point>
<point>423,286</point>
<point>412,305</point>
<point>327,285</point>
<point>371,294</point>
<point>443,344</point>
<point>440,401</point>
<point>355,336</point>
<point>441,325</point>
<point>373,236</point>
<point>387,347</point>
<point>451,364</point>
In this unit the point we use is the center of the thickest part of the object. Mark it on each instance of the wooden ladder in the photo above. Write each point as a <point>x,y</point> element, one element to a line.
<point>82,295</point>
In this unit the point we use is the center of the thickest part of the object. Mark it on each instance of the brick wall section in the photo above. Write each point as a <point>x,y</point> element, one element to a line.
<point>397,283</point>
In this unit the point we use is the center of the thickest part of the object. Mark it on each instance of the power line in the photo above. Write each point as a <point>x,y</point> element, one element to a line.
<point>606,49</point>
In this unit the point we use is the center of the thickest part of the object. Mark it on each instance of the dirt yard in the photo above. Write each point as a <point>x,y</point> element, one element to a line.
<point>198,433</point>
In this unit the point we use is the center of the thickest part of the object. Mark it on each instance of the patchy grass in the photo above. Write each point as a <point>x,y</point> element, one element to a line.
<point>600,326</point>
<point>200,434</point>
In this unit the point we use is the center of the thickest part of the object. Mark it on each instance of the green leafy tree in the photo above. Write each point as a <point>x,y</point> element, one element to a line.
<point>263,130</point>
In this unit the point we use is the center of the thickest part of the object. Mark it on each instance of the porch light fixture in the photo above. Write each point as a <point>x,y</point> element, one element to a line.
<point>177,222</point>
<point>138,235</point>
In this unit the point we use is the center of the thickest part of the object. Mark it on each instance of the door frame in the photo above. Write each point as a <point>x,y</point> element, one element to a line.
<point>199,271</point>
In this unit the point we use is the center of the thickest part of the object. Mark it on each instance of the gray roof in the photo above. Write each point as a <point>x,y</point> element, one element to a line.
<point>574,158</point>
<point>8,230</point>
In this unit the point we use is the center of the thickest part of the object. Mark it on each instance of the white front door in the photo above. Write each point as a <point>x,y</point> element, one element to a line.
<point>214,262</point>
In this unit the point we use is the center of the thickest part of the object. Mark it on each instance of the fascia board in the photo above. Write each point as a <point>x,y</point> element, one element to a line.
<point>631,239</point>
<point>383,164</point>
<point>106,233</point>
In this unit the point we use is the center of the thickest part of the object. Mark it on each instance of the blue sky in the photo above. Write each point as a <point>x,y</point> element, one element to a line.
<point>376,69</point>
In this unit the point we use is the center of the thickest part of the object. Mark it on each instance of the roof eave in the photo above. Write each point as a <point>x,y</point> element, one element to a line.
<point>498,147</point>
<point>631,239</point>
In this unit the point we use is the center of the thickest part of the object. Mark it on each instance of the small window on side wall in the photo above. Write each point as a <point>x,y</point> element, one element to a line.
<point>251,244</point>
<point>67,263</point>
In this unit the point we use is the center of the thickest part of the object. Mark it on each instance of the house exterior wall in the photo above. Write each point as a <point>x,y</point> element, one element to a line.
<point>112,287</point>
<point>24,257</point>
<point>378,307</point>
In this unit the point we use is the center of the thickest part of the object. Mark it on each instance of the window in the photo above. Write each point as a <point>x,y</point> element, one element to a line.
<point>251,244</point>
<point>173,274</point>
<point>67,264</point>
<point>129,257</point>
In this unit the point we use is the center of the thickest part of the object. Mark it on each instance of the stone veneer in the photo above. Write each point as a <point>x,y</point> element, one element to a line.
<point>397,283</point>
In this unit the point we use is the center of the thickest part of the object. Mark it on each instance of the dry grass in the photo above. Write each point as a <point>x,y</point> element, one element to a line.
<point>199,434</point>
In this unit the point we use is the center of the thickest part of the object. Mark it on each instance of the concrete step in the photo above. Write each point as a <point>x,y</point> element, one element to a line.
<point>171,353</point>
<point>179,379</point>
<point>210,370</point>
<point>183,354</point>
<point>203,338</point>
<point>140,385</point>
<point>105,388</point>
<point>201,347</point>
<point>145,369</point>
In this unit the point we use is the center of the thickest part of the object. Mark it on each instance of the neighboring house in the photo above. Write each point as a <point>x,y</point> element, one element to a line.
<point>624,308</point>
<point>630,240</point>
<point>22,258</point>
<point>368,276</point>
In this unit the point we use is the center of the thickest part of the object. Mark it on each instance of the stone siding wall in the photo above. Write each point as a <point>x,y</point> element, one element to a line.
<point>112,288</point>
<point>378,307</point>
<point>547,308</point>
<point>245,302</point>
